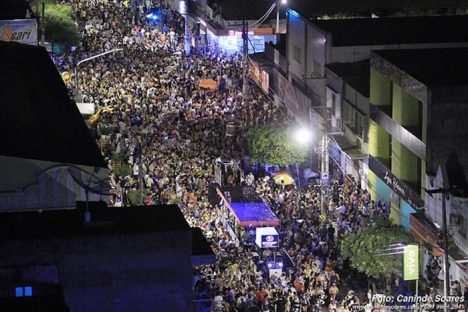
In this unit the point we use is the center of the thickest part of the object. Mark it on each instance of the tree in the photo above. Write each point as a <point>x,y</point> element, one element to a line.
<point>59,25</point>
<point>271,145</point>
<point>367,252</point>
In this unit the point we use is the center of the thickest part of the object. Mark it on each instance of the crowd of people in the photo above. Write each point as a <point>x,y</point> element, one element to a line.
<point>161,135</point>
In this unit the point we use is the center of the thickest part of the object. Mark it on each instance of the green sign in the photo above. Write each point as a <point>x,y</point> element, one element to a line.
<point>411,262</point>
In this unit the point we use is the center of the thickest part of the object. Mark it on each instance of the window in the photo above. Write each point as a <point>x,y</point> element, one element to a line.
<point>25,291</point>
<point>297,54</point>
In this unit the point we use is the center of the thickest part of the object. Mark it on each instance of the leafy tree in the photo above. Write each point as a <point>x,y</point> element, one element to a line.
<point>367,252</point>
<point>123,171</point>
<point>271,145</point>
<point>59,25</point>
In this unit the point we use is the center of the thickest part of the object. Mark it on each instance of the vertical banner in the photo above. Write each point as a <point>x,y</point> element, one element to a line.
<point>19,30</point>
<point>411,262</point>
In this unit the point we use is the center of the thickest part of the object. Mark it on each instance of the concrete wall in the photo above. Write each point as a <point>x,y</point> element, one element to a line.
<point>296,48</point>
<point>134,272</point>
<point>144,272</point>
<point>446,134</point>
<point>379,142</point>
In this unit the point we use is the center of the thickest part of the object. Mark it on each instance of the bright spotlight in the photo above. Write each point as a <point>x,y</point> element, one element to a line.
<point>283,2</point>
<point>149,15</point>
<point>303,135</point>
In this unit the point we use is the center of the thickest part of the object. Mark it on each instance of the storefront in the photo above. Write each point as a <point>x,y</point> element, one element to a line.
<point>386,187</point>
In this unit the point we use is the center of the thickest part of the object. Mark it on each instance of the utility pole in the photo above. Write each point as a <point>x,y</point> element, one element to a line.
<point>245,74</point>
<point>444,192</point>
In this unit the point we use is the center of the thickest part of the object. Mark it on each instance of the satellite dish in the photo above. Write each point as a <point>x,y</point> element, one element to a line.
<point>89,182</point>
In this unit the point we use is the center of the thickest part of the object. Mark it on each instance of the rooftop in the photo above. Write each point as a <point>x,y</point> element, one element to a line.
<point>104,220</point>
<point>432,67</point>
<point>38,120</point>
<point>243,9</point>
<point>396,30</point>
<point>357,75</point>
<point>311,9</point>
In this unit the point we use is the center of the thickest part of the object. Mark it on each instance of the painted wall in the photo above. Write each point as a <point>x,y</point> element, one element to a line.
<point>380,89</point>
<point>405,211</point>
<point>404,163</point>
<point>379,142</point>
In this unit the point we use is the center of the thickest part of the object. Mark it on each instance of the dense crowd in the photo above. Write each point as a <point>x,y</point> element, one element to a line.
<point>161,135</point>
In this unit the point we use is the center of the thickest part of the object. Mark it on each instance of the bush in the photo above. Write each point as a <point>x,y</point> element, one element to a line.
<point>59,25</point>
<point>134,197</point>
<point>124,170</point>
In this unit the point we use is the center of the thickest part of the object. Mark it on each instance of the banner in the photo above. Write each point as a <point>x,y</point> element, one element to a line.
<point>19,30</point>
<point>411,262</point>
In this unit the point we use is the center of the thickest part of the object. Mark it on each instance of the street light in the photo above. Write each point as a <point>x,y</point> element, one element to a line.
<point>89,59</point>
<point>444,192</point>
<point>282,2</point>
<point>303,136</point>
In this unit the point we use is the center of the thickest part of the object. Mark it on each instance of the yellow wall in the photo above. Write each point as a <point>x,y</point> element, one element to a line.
<point>404,163</point>
<point>379,142</point>
<point>379,88</point>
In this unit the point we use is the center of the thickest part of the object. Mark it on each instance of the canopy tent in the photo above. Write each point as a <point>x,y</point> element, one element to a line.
<point>283,178</point>
<point>266,237</point>
<point>255,214</point>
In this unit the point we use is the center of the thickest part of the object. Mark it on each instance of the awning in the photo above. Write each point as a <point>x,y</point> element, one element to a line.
<point>349,148</point>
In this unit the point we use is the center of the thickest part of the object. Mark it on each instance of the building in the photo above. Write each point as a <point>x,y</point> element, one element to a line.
<point>373,8</point>
<point>311,45</point>
<point>218,24</point>
<point>48,157</point>
<point>415,137</point>
<point>347,109</point>
<point>318,86</point>
<point>124,259</point>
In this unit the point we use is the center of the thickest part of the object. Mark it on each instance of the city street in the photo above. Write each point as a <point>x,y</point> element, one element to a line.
<point>161,134</point>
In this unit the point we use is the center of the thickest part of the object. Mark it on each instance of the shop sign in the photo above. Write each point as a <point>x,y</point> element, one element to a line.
<point>411,262</point>
<point>396,185</point>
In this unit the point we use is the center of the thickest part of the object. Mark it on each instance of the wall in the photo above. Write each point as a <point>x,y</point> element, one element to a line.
<point>139,272</point>
<point>379,142</point>
<point>446,134</point>
<point>295,48</point>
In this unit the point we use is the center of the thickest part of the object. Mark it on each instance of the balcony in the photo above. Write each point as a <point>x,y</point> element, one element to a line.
<point>397,131</point>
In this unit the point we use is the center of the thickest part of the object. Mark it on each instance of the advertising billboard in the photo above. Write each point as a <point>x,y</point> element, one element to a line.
<point>19,30</point>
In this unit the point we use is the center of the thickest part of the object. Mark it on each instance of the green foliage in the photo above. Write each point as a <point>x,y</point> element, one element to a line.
<point>134,197</point>
<point>123,171</point>
<point>59,25</point>
<point>275,146</point>
<point>106,130</point>
<point>366,250</point>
